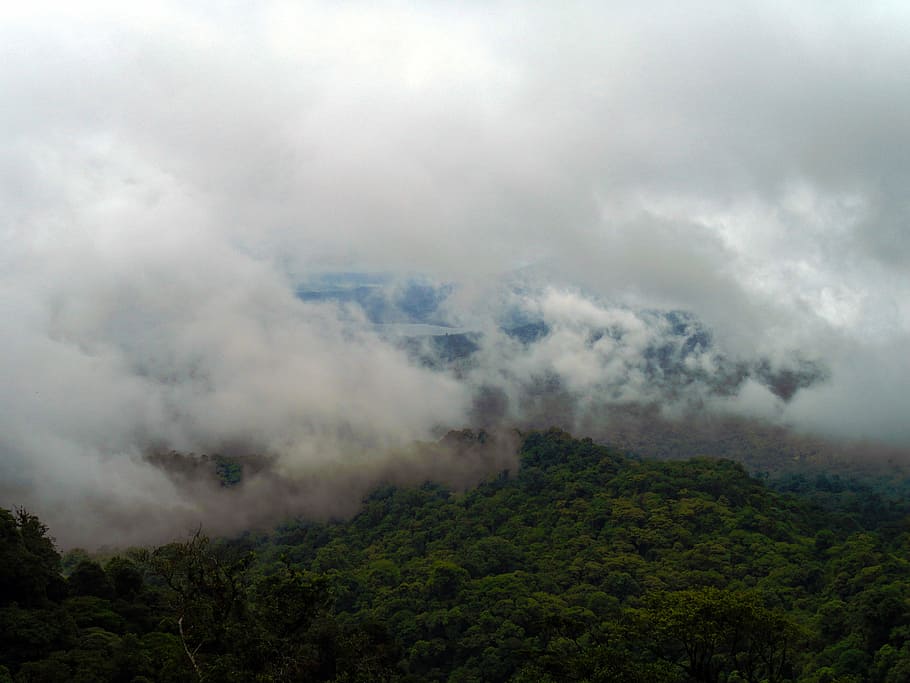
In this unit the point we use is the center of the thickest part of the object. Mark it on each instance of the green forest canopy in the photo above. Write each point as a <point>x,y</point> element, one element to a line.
<point>586,565</point>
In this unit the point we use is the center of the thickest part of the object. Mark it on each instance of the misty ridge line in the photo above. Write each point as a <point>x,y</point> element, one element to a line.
<point>257,495</point>
<point>261,494</point>
<point>310,395</point>
<point>666,356</point>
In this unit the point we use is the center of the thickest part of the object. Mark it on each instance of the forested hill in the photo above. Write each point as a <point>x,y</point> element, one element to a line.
<point>585,565</point>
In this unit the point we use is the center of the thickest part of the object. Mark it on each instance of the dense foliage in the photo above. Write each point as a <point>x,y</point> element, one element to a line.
<point>586,565</point>
<point>187,611</point>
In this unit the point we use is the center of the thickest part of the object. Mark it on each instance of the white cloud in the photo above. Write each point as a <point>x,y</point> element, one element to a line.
<point>171,172</point>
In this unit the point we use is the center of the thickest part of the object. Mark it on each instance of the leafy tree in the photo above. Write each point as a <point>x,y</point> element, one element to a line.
<point>88,578</point>
<point>713,633</point>
<point>29,563</point>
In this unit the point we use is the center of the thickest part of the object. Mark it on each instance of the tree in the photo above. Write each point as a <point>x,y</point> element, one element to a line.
<point>88,578</point>
<point>712,633</point>
<point>207,596</point>
<point>29,563</point>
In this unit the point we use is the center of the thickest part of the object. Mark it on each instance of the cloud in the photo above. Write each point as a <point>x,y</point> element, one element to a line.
<point>194,347</point>
<point>172,174</point>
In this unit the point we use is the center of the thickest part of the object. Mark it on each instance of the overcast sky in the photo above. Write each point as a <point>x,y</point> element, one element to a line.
<point>170,173</point>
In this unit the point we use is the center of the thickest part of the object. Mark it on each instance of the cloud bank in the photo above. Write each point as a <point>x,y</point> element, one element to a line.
<point>171,176</point>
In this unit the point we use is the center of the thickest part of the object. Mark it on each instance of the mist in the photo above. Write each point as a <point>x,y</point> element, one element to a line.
<point>702,210</point>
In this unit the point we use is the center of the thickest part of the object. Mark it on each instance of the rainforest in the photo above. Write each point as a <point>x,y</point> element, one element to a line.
<point>585,564</point>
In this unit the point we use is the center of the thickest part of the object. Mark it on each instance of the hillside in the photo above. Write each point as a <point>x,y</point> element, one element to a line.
<point>585,565</point>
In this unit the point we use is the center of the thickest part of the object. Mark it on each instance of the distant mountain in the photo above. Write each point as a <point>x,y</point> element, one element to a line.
<point>442,350</point>
<point>681,353</point>
<point>382,299</point>
<point>528,333</point>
